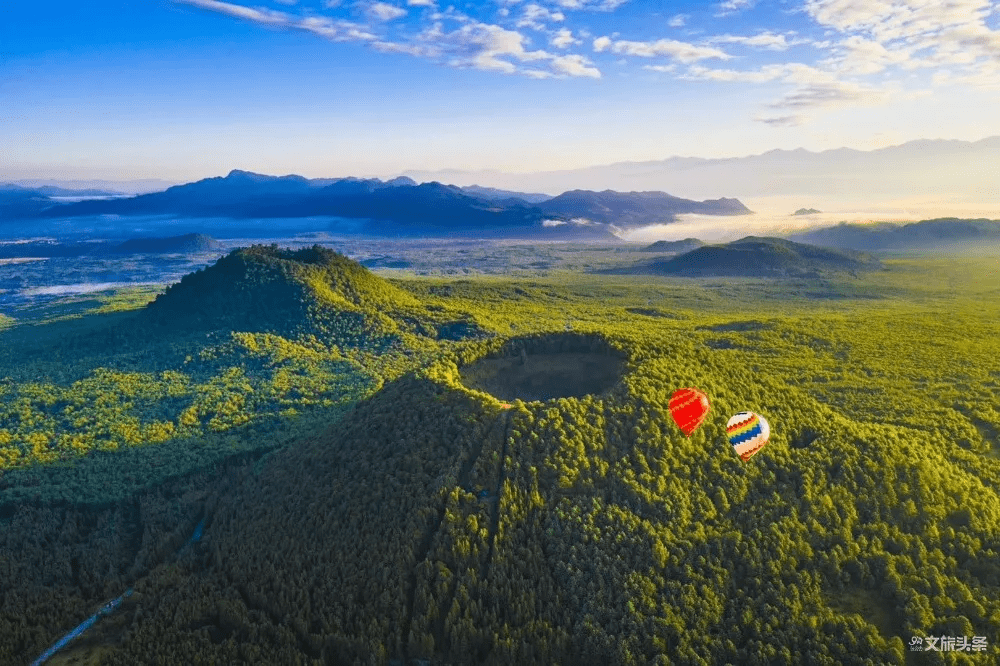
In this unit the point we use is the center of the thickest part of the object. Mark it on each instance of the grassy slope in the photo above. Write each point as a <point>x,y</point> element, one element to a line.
<point>616,536</point>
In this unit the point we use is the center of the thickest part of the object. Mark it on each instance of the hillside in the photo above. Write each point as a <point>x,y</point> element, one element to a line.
<point>433,522</point>
<point>757,257</point>
<point>264,288</point>
<point>685,245</point>
<point>940,234</point>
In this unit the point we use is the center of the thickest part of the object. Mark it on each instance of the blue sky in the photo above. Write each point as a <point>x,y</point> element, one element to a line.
<point>183,89</point>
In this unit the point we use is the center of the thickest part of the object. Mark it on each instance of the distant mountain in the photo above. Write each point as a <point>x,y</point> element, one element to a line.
<point>173,245</point>
<point>634,208</point>
<point>400,207</point>
<point>493,194</point>
<point>186,244</point>
<point>17,203</point>
<point>53,191</point>
<point>806,211</point>
<point>685,245</point>
<point>757,257</point>
<point>113,186</point>
<point>924,168</point>
<point>929,234</point>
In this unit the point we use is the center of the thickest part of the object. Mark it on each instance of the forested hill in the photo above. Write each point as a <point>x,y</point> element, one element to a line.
<point>758,257</point>
<point>313,291</point>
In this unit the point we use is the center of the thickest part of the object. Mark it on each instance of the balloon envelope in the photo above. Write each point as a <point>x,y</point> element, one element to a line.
<point>688,407</point>
<point>748,433</point>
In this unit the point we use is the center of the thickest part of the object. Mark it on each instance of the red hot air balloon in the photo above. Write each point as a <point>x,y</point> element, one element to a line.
<point>689,407</point>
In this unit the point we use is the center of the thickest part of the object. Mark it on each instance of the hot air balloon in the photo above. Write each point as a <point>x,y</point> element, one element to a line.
<point>689,407</point>
<point>748,433</point>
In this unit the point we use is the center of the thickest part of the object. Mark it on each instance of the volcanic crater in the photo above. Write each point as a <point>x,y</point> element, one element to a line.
<point>545,367</point>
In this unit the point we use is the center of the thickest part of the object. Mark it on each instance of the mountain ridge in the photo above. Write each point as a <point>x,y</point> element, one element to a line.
<point>924,167</point>
<point>402,207</point>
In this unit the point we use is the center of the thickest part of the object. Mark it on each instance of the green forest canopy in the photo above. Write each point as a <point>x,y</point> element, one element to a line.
<point>400,513</point>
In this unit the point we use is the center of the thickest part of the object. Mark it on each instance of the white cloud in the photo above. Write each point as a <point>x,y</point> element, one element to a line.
<point>781,121</point>
<point>408,49</point>
<point>420,3</point>
<point>767,40</point>
<point>859,55</point>
<point>383,11</point>
<point>677,21</point>
<point>661,68</point>
<point>812,88</point>
<point>335,30</point>
<point>595,5</point>
<point>602,44</point>
<point>762,75</point>
<point>263,16</point>
<point>563,39</point>
<point>575,65</point>
<point>733,6</point>
<point>534,15</point>
<point>831,94</point>
<point>911,34</point>
<point>682,51</point>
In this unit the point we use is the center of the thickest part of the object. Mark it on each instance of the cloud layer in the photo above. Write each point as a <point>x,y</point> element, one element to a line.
<point>843,53</point>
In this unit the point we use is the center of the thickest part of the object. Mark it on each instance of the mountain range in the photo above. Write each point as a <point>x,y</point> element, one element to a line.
<point>396,207</point>
<point>928,234</point>
<point>925,168</point>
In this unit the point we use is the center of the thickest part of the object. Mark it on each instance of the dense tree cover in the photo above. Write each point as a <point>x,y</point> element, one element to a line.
<point>261,336</point>
<point>432,523</point>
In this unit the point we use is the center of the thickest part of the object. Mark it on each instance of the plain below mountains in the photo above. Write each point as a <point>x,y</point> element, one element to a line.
<point>402,207</point>
<point>756,257</point>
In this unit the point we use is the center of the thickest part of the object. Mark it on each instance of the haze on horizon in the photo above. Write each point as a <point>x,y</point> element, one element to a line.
<point>186,89</point>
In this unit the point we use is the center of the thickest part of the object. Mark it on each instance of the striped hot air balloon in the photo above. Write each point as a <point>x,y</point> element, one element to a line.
<point>689,407</point>
<point>748,433</point>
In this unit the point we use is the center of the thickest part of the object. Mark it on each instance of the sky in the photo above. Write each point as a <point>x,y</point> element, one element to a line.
<point>186,89</point>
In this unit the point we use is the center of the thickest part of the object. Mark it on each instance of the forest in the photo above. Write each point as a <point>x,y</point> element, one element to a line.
<point>429,470</point>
